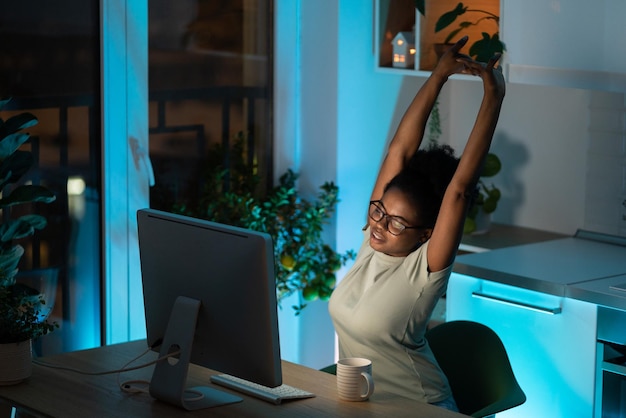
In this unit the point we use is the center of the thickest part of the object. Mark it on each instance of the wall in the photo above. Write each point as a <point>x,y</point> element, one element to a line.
<point>370,105</point>
<point>605,204</point>
<point>305,131</point>
<point>542,140</point>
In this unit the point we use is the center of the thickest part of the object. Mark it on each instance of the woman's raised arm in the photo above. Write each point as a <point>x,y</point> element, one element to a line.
<point>410,132</point>
<point>446,235</point>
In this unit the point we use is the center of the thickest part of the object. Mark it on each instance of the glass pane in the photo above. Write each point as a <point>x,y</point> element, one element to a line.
<point>50,68</point>
<point>209,79</point>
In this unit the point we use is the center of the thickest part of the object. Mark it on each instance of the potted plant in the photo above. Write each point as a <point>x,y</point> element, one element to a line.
<point>486,199</point>
<point>482,49</point>
<point>20,307</point>
<point>304,263</point>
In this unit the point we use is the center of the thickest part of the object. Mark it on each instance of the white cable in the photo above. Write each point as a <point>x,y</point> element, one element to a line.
<point>127,386</point>
<point>124,369</point>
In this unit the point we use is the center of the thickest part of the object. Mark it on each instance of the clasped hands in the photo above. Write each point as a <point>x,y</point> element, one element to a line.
<point>453,62</point>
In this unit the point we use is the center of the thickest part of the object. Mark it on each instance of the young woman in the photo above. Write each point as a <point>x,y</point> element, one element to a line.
<point>381,308</point>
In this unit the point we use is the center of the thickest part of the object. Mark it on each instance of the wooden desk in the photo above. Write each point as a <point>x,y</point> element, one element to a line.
<point>57,393</point>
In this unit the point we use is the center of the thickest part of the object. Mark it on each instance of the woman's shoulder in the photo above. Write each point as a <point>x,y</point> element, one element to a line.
<point>416,265</point>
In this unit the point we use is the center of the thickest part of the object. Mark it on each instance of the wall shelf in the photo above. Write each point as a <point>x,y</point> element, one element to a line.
<point>570,45</point>
<point>419,73</point>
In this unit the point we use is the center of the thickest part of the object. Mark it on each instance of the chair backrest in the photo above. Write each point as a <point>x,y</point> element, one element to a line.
<point>477,366</point>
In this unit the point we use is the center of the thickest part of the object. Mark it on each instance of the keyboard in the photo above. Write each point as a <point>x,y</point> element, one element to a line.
<point>273,395</point>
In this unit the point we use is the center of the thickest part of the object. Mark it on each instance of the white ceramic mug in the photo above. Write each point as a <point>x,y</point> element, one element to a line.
<point>354,379</point>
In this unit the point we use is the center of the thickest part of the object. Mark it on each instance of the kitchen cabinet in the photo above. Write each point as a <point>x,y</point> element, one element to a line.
<point>550,340</point>
<point>498,236</point>
<point>611,363</point>
<point>545,301</point>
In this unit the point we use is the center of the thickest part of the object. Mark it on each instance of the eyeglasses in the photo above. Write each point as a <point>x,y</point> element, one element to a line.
<point>394,223</point>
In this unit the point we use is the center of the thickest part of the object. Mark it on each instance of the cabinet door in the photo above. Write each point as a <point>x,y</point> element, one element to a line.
<point>550,340</point>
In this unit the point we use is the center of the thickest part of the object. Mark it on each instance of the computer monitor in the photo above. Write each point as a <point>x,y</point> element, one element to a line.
<point>210,292</point>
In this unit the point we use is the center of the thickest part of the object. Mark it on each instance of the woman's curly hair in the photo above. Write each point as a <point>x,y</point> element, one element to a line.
<point>425,178</point>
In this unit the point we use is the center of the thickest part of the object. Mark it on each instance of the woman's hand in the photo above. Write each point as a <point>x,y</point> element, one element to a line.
<point>449,63</point>
<point>453,62</point>
<point>493,80</point>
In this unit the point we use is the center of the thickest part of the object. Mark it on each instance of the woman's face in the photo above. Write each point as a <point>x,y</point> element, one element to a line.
<point>395,203</point>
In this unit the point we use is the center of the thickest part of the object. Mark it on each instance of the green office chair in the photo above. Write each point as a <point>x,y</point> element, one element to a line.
<point>332,369</point>
<point>477,366</point>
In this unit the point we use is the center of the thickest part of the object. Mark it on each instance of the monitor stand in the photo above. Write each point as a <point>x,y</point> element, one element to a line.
<point>170,375</point>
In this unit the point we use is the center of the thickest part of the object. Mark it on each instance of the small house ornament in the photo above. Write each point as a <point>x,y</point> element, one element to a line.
<point>403,50</point>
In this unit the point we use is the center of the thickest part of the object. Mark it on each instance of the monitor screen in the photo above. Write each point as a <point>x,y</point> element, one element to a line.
<point>230,272</point>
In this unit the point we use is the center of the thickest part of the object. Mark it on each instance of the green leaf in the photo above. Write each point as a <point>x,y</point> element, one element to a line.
<point>15,123</point>
<point>28,193</point>
<point>18,122</point>
<point>492,166</point>
<point>9,260</point>
<point>14,167</point>
<point>21,227</point>
<point>490,204</point>
<point>11,142</point>
<point>469,226</point>
<point>484,49</point>
<point>448,18</point>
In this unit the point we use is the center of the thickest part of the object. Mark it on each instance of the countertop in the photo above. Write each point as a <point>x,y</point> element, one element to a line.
<point>502,236</point>
<point>609,292</point>
<point>576,267</point>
